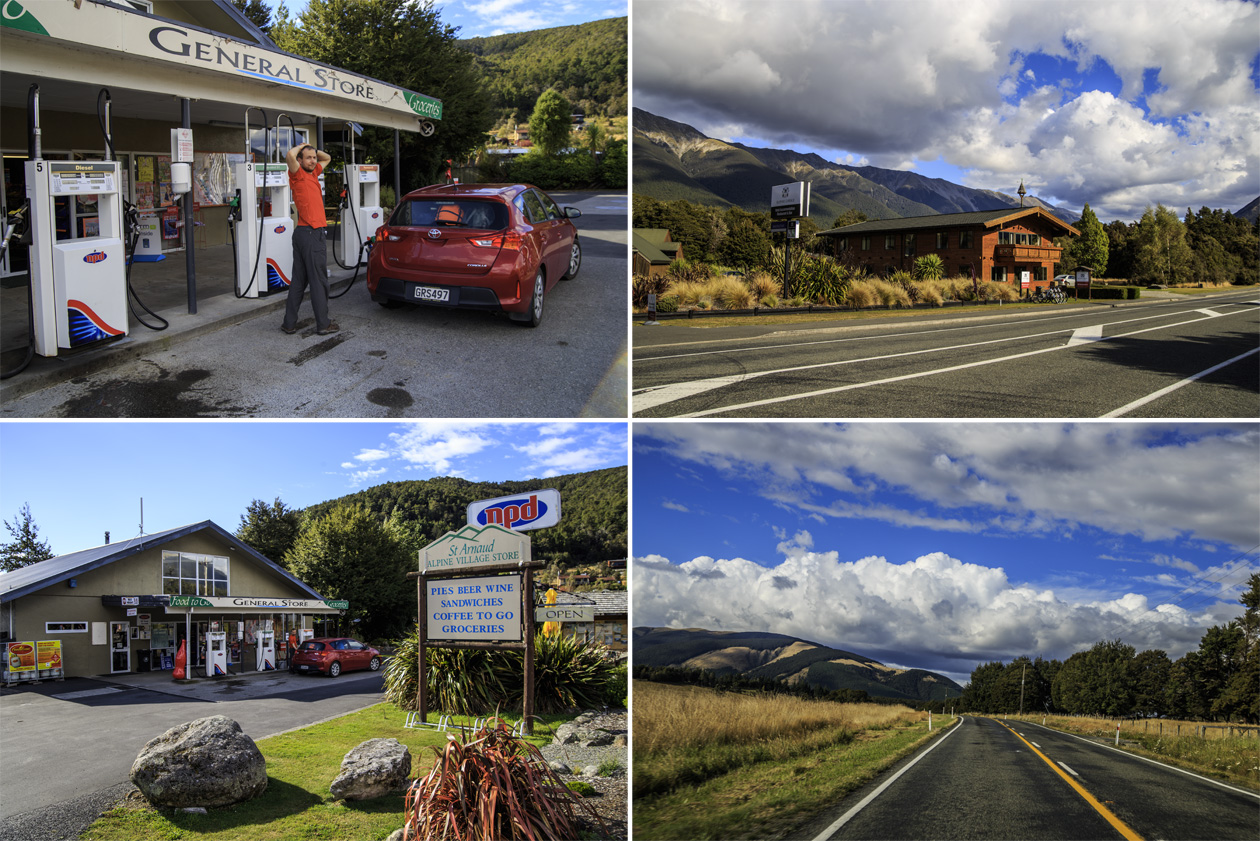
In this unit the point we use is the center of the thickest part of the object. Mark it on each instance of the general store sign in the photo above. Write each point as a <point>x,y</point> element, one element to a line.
<point>520,512</point>
<point>472,548</point>
<point>247,603</point>
<point>104,27</point>
<point>475,609</point>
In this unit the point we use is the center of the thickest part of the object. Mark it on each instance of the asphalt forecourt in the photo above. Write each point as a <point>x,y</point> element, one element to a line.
<point>1192,356</point>
<point>412,361</point>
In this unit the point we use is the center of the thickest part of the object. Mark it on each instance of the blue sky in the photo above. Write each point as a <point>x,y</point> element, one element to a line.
<point>82,479</point>
<point>1116,103</point>
<point>942,546</point>
<point>497,17</point>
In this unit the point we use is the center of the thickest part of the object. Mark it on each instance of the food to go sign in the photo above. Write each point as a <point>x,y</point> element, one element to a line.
<point>487,608</point>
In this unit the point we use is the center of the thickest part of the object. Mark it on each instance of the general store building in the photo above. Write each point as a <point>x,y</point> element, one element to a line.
<point>126,606</point>
<point>990,245</point>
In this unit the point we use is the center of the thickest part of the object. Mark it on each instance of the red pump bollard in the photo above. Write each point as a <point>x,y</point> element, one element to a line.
<point>181,660</point>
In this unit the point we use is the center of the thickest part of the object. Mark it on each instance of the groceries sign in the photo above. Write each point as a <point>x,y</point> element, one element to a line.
<point>533,510</point>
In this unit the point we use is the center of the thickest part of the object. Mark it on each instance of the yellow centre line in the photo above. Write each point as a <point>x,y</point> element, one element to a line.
<point>1120,826</point>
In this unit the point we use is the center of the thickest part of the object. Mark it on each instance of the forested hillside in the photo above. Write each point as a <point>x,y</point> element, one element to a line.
<point>592,526</point>
<point>586,63</point>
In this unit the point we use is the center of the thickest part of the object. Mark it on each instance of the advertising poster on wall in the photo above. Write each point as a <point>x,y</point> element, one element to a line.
<point>21,658</point>
<point>48,655</point>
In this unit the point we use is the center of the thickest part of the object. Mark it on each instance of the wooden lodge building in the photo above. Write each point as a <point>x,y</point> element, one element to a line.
<point>996,245</point>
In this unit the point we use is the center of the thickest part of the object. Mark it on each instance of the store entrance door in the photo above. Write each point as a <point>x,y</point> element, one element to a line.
<point>119,647</point>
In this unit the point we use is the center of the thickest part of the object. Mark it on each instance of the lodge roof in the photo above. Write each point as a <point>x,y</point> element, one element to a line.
<point>981,218</point>
<point>654,244</point>
<point>28,579</point>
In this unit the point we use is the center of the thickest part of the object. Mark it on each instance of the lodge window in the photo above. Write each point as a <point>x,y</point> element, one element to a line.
<point>909,250</point>
<point>842,244</point>
<point>964,239</point>
<point>1014,238</point>
<point>1039,273</point>
<point>866,243</point>
<point>998,274</point>
<point>890,242</point>
<point>189,574</point>
<point>942,240</point>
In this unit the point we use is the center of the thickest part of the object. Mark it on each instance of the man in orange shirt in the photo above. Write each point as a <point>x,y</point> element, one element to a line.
<point>310,256</point>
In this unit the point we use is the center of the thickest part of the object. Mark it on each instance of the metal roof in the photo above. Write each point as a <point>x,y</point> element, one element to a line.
<point>985,218</point>
<point>28,579</point>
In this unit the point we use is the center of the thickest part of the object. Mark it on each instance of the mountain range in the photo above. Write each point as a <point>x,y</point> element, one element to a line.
<point>672,161</point>
<point>780,657</point>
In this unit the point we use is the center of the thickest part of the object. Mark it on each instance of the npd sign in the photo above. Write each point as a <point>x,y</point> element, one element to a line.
<point>521,512</point>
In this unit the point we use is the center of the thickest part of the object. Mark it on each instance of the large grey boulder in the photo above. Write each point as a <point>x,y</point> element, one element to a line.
<point>207,762</point>
<point>373,769</point>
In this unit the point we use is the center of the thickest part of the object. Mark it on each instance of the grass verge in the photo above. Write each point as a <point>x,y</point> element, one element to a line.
<point>297,805</point>
<point>1233,759</point>
<point>742,781</point>
<point>806,318</point>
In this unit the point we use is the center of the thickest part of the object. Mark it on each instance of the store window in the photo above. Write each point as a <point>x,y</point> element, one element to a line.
<point>189,574</point>
<point>65,627</point>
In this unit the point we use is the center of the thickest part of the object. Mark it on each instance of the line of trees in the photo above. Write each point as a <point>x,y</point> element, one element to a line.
<point>736,682</point>
<point>1219,681</point>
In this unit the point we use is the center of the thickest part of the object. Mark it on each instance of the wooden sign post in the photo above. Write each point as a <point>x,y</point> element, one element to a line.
<point>491,609</point>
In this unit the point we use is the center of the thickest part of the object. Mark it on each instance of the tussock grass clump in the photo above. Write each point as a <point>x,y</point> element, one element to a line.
<point>764,286</point>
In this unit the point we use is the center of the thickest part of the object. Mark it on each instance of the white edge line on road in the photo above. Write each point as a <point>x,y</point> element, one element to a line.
<point>1155,395</point>
<point>849,815</point>
<point>1152,761</point>
<point>1067,768</point>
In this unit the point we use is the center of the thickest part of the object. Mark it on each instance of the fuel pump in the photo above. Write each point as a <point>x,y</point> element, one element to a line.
<point>266,651</point>
<point>216,653</point>
<point>78,285</point>
<point>361,213</point>
<point>262,227</point>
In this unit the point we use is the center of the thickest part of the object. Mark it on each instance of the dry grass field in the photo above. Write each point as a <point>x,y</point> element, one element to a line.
<point>709,764</point>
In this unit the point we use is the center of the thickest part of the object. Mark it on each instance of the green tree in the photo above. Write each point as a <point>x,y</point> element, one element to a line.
<point>1092,248</point>
<point>26,548</point>
<point>1162,253</point>
<point>258,12</point>
<point>406,44</point>
<point>350,554</point>
<point>1149,674</point>
<point>1240,697</point>
<point>849,217</point>
<point>551,123</point>
<point>271,530</point>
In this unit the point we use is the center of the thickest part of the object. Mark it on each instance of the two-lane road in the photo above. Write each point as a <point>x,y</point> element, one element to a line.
<point>1197,357</point>
<point>985,779</point>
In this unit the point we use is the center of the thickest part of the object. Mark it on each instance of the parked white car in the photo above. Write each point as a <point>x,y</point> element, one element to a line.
<point>1068,280</point>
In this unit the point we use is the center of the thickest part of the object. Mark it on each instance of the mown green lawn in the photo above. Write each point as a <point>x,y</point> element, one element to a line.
<point>297,805</point>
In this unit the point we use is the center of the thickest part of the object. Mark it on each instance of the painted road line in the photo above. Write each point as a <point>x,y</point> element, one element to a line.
<point>950,369</point>
<point>1085,335</point>
<point>1163,765</point>
<point>1155,395</point>
<point>661,394</point>
<point>1068,769</point>
<point>1034,744</point>
<point>849,815</point>
<point>1109,816</point>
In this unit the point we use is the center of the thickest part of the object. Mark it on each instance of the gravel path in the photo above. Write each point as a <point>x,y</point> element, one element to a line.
<point>611,804</point>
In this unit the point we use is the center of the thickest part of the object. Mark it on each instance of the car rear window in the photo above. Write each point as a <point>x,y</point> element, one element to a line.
<point>312,646</point>
<point>455,213</point>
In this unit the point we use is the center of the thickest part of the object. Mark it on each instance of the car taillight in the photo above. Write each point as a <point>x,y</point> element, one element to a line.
<point>387,234</point>
<point>508,241</point>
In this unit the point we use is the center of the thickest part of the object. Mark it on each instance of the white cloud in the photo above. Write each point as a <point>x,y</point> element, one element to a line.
<point>1155,482</point>
<point>898,82</point>
<point>437,444</point>
<point>925,612</point>
<point>372,455</point>
<point>674,506</point>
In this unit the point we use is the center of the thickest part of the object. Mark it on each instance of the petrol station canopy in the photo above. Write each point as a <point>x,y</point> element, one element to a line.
<point>72,48</point>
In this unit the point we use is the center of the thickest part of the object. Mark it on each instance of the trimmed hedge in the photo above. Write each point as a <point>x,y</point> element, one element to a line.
<point>1120,293</point>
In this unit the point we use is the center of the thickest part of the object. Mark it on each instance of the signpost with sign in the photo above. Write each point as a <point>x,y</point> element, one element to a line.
<point>789,202</point>
<point>486,609</point>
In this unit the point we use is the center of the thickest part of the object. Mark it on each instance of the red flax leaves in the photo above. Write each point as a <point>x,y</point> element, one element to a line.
<point>494,788</point>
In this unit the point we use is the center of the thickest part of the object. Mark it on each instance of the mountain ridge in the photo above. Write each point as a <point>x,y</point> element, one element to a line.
<point>684,160</point>
<point>756,654</point>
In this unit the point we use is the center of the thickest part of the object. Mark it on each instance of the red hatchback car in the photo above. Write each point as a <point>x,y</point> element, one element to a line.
<point>334,655</point>
<point>496,247</point>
